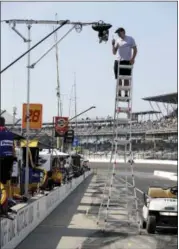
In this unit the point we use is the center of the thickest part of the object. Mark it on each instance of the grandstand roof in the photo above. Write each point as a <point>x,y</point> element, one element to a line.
<point>171,98</point>
<point>145,113</point>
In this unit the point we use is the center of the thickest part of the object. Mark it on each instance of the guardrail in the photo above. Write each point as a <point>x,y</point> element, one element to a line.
<point>121,160</point>
<point>30,215</point>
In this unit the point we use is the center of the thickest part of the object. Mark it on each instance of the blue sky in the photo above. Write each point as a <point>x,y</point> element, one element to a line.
<point>153,25</point>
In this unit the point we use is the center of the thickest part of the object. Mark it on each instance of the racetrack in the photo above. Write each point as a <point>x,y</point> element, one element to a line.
<point>68,226</point>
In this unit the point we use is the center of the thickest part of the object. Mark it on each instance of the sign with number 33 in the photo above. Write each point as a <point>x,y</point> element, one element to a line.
<point>35,116</point>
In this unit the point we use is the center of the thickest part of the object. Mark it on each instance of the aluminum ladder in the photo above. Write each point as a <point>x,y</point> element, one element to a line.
<point>118,193</point>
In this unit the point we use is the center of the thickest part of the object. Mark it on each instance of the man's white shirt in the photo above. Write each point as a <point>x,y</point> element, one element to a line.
<point>124,52</point>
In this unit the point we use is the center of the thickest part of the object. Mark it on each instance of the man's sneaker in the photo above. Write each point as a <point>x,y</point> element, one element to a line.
<point>119,94</point>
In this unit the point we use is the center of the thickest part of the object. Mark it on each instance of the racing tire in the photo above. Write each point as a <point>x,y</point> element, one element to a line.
<point>151,224</point>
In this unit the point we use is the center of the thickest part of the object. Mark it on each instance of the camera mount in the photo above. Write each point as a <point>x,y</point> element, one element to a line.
<point>103,30</point>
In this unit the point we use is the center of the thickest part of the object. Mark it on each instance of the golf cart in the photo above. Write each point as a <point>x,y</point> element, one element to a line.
<point>160,209</point>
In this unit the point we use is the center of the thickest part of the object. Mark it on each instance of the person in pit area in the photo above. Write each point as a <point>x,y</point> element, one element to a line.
<point>126,50</point>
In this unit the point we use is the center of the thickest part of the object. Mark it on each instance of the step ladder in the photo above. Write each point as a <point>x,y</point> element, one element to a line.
<point>119,198</point>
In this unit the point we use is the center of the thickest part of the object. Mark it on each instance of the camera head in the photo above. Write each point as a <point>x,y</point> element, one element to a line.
<point>103,30</point>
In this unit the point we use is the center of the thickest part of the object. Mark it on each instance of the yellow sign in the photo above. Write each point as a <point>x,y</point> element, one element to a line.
<point>32,143</point>
<point>35,116</point>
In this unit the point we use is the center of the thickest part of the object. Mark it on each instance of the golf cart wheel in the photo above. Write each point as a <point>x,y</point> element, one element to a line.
<point>151,224</point>
<point>142,223</point>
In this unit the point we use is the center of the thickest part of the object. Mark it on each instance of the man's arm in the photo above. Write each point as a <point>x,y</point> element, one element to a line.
<point>134,52</point>
<point>134,48</point>
<point>114,49</point>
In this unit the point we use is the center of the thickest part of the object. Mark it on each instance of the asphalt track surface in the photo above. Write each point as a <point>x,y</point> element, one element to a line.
<point>68,226</point>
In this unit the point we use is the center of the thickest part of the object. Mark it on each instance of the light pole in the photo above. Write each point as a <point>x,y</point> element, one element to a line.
<point>87,110</point>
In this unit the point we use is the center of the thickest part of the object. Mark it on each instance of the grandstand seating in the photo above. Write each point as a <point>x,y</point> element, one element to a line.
<point>156,138</point>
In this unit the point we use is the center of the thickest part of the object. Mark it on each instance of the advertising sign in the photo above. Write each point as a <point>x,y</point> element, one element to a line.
<point>35,116</point>
<point>61,125</point>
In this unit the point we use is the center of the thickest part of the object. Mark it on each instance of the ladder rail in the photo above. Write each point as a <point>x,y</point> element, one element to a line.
<point>111,186</point>
<point>129,162</point>
<point>111,157</point>
<point>131,154</point>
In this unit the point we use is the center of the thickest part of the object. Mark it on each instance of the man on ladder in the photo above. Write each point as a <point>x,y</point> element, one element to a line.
<point>123,47</point>
<point>118,201</point>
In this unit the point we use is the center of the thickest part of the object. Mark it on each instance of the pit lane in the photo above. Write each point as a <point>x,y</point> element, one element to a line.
<point>69,227</point>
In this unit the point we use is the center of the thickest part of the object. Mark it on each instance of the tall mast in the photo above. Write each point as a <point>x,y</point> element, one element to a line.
<point>75,100</point>
<point>59,102</point>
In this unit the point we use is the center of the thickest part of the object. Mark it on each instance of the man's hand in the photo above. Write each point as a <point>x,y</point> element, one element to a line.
<point>113,42</point>
<point>132,61</point>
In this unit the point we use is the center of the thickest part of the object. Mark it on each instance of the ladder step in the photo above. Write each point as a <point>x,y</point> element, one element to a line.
<point>125,77</point>
<point>117,208</point>
<point>123,185</point>
<point>125,66</point>
<point>117,185</point>
<point>123,109</point>
<point>121,200</point>
<point>124,88</point>
<point>123,99</point>
<point>118,221</point>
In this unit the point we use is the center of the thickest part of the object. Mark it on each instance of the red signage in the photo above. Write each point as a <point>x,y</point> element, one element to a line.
<point>61,125</point>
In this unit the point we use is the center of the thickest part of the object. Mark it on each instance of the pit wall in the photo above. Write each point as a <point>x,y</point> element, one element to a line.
<point>30,215</point>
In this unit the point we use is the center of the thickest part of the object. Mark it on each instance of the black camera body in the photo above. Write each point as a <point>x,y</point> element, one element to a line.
<point>103,30</point>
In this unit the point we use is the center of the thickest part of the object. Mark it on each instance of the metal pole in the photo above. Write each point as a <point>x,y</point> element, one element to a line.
<point>14,115</point>
<point>59,102</point>
<point>28,117</point>
<point>75,107</point>
<point>75,100</point>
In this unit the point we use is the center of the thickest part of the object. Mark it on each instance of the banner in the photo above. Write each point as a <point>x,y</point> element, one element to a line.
<point>35,116</point>
<point>61,125</point>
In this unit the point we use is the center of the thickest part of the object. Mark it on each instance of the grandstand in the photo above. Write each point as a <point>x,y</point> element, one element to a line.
<point>155,133</point>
